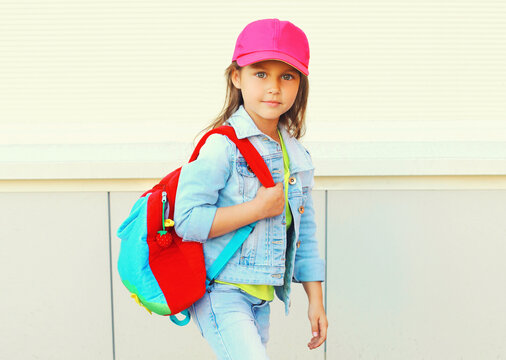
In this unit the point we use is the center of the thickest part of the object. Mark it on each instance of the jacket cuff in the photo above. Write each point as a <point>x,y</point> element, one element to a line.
<point>200,222</point>
<point>309,270</point>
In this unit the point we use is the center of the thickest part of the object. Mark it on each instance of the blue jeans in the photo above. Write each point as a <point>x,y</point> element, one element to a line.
<point>234,323</point>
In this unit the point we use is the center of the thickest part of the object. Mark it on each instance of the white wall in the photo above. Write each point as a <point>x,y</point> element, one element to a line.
<point>146,72</point>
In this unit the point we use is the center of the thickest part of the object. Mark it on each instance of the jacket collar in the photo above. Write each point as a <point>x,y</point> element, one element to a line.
<point>295,150</point>
<point>244,126</point>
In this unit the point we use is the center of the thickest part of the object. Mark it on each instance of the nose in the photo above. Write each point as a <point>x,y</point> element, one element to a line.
<point>273,87</point>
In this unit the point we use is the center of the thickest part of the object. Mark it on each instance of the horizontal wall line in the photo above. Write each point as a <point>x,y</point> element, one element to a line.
<point>321,183</point>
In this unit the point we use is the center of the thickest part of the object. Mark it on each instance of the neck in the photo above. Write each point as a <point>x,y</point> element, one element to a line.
<point>268,127</point>
<point>269,130</point>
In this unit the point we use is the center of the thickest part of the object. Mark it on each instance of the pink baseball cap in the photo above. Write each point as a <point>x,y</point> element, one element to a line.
<point>272,39</point>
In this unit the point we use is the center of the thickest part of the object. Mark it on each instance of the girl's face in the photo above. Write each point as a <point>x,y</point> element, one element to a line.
<point>268,88</point>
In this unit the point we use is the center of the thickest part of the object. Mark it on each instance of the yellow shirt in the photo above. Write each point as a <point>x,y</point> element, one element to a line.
<point>266,292</point>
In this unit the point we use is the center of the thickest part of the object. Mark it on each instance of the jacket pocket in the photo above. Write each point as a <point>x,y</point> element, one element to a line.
<point>249,249</point>
<point>248,182</point>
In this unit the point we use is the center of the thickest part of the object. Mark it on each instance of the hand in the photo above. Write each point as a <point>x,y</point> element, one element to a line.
<point>319,325</point>
<point>270,201</point>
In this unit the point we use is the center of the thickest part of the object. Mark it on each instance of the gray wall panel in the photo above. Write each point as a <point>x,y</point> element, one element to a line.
<point>417,274</point>
<point>411,274</point>
<point>54,264</point>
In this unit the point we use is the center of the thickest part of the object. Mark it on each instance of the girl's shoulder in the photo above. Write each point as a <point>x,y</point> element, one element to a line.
<point>217,148</point>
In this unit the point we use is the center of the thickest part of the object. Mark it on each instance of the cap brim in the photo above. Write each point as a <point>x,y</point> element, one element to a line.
<point>251,58</point>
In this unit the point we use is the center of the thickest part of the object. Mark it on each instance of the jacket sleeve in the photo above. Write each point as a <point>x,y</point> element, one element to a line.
<point>309,266</point>
<point>198,189</point>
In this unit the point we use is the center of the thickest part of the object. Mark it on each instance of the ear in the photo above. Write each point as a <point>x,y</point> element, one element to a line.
<point>236,78</point>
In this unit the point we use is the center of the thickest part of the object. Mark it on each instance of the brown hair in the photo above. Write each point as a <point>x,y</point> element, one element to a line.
<point>294,119</point>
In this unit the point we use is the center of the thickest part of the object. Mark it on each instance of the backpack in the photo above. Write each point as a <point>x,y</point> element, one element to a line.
<point>163,273</point>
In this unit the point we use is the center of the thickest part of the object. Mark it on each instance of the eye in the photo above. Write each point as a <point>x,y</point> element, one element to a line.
<point>261,75</point>
<point>288,77</point>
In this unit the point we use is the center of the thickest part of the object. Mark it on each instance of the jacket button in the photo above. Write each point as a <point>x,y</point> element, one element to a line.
<point>298,244</point>
<point>292,180</point>
<point>301,209</point>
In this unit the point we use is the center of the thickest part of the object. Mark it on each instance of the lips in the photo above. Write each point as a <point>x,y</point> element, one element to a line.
<point>272,102</point>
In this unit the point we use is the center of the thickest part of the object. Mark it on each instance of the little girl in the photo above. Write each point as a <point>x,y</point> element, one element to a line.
<point>218,194</point>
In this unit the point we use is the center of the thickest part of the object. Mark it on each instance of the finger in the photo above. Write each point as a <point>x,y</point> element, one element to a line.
<point>314,332</point>
<point>323,328</point>
<point>323,332</point>
<point>314,327</point>
<point>314,343</point>
<point>320,341</point>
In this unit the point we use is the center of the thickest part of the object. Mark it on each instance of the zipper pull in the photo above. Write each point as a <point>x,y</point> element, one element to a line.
<point>164,200</point>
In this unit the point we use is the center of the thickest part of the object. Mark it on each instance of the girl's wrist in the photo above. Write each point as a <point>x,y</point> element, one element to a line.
<point>316,303</point>
<point>256,209</point>
<point>314,292</point>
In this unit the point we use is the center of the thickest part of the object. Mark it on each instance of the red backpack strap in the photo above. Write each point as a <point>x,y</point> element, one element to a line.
<point>250,153</point>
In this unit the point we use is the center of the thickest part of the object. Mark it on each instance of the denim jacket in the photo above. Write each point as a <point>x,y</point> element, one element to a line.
<point>220,177</point>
